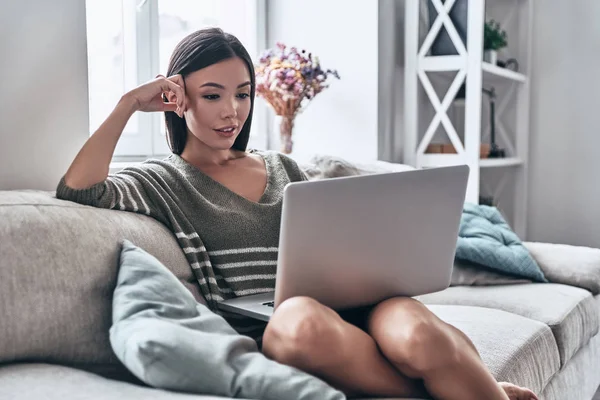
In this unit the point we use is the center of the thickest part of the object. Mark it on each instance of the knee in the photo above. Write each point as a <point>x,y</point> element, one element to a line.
<point>429,347</point>
<point>299,329</point>
<point>414,337</point>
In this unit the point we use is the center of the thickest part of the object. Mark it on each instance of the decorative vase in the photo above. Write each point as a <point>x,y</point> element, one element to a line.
<point>284,124</point>
<point>490,56</point>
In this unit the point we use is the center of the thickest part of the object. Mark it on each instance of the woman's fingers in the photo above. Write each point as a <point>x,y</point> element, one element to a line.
<point>178,80</point>
<point>170,86</point>
<point>171,107</point>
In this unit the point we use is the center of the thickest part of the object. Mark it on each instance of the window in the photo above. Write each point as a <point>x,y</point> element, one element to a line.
<point>129,43</point>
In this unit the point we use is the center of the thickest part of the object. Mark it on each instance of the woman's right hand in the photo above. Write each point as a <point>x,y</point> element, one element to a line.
<point>149,96</point>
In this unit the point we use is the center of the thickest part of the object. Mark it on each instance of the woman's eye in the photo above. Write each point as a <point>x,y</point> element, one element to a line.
<point>211,96</point>
<point>243,95</point>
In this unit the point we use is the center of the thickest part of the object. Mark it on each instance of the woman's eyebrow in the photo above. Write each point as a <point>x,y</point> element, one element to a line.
<point>219,86</point>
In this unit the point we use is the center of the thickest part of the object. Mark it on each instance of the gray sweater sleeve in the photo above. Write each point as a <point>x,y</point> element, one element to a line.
<point>131,189</point>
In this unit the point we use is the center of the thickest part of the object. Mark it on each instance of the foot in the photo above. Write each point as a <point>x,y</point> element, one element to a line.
<point>517,393</point>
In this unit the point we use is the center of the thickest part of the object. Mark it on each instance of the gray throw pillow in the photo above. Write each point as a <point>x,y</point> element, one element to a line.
<point>468,274</point>
<point>170,341</point>
<point>327,166</point>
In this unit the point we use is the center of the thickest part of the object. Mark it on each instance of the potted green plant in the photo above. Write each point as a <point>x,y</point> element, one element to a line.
<point>494,39</point>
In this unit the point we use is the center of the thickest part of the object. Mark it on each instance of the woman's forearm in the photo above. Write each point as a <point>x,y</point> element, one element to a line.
<point>92,163</point>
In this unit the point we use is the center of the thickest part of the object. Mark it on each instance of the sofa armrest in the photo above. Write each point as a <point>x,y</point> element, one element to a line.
<point>571,265</point>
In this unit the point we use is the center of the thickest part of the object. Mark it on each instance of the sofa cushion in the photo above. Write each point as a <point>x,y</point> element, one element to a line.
<point>579,379</point>
<point>54,382</point>
<point>59,268</point>
<point>570,312</point>
<point>514,348</point>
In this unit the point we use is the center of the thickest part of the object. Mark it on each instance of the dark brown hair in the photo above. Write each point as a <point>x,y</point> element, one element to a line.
<point>200,50</point>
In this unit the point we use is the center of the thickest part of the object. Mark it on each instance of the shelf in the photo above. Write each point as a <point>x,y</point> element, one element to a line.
<point>500,162</point>
<point>439,160</point>
<point>446,160</point>
<point>435,75</point>
<point>447,66</point>
<point>495,73</point>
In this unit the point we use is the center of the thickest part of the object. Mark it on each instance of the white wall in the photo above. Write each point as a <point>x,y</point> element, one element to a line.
<point>564,177</point>
<point>44,110</point>
<point>343,119</point>
<point>44,120</point>
<point>390,97</point>
<point>44,106</point>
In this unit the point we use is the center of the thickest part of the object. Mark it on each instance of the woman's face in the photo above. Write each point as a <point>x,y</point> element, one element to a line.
<point>218,102</point>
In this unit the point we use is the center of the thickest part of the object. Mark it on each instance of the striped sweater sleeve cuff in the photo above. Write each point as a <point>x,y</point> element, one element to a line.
<point>88,196</point>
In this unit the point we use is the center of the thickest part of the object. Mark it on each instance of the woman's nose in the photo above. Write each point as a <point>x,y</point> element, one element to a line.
<point>229,109</point>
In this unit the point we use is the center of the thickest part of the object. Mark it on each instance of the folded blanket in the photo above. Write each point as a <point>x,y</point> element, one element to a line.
<point>486,239</point>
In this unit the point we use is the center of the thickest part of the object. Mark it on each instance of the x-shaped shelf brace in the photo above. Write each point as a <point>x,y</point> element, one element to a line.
<point>441,108</point>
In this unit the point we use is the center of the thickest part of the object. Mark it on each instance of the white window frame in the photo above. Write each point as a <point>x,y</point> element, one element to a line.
<point>141,64</point>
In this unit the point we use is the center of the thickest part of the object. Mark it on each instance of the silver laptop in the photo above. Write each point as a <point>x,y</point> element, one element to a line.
<point>354,241</point>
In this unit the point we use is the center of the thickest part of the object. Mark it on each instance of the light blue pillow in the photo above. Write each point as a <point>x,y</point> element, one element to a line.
<point>170,341</point>
<point>486,239</point>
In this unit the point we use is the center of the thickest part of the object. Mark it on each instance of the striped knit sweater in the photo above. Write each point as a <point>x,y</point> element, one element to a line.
<point>230,242</point>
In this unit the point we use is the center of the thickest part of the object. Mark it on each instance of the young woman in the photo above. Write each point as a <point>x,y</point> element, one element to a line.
<point>223,204</point>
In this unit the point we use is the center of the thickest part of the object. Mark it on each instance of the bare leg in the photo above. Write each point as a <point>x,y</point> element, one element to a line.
<point>421,345</point>
<point>514,392</point>
<point>311,337</point>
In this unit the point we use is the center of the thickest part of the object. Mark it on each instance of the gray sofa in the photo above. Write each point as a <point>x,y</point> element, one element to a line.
<point>58,265</point>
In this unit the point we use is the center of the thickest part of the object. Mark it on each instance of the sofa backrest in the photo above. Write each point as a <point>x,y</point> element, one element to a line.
<point>326,166</point>
<point>58,269</point>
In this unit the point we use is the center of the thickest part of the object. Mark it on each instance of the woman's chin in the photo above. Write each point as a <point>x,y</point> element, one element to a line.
<point>216,141</point>
<point>222,143</point>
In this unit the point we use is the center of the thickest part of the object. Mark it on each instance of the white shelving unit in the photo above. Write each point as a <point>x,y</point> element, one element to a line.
<point>469,68</point>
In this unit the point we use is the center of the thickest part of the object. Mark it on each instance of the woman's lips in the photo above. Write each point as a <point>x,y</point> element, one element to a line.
<point>226,132</point>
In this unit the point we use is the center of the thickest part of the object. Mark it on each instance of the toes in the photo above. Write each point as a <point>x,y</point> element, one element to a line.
<point>527,394</point>
<point>515,392</point>
<point>532,395</point>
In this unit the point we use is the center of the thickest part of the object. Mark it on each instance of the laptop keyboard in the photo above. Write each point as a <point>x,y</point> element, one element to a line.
<point>269,304</point>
